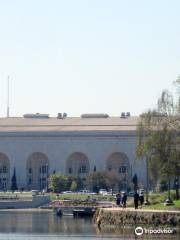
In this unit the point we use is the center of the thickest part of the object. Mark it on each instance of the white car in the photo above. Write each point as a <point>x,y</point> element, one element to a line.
<point>67,192</point>
<point>34,192</point>
<point>84,192</point>
<point>103,191</point>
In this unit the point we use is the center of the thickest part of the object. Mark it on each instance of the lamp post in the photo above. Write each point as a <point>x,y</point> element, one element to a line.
<point>46,177</point>
<point>168,200</point>
<point>146,202</point>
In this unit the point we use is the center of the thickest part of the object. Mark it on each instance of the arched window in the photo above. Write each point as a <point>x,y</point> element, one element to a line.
<point>4,171</point>
<point>119,163</point>
<point>78,164</point>
<point>37,164</point>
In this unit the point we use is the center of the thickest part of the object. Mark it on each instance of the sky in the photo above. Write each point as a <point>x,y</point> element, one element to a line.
<point>87,56</point>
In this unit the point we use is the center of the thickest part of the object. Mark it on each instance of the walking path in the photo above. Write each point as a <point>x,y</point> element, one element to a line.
<point>140,210</point>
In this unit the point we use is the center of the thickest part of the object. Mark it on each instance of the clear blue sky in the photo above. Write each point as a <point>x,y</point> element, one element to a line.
<point>80,56</point>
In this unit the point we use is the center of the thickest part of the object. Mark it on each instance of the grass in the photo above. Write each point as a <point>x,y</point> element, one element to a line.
<point>156,199</point>
<point>175,206</point>
<point>17,195</point>
<point>76,196</point>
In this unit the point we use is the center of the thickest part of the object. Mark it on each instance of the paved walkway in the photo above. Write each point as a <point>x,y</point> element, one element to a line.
<point>140,210</point>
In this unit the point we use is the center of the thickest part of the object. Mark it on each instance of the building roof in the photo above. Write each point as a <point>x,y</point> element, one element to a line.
<point>52,124</point>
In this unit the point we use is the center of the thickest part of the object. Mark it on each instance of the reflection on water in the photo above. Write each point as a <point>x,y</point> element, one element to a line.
<point>43,222</point>
<point>46,225</point>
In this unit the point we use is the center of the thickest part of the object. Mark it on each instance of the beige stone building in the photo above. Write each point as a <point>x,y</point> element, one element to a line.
<point>36,145</point>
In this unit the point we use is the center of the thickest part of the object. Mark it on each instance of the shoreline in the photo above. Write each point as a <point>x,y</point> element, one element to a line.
<point>116,217</point>
<point>26,210</point>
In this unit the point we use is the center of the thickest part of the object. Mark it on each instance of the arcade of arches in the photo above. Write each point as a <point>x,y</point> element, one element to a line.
<point>77,164</point>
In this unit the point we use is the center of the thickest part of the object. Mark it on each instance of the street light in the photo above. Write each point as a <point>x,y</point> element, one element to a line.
<point>46,177</point>
<point>146,202</point>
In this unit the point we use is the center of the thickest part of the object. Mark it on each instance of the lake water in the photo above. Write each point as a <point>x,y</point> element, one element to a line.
<point>28,225</point>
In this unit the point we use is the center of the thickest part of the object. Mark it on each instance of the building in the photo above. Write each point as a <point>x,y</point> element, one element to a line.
<point>37,145</point>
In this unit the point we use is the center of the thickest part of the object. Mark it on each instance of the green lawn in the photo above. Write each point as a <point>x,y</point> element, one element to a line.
<point>157,201</point>
<point>175,206</point>
<point>76,196</point>
<point>15,195</point>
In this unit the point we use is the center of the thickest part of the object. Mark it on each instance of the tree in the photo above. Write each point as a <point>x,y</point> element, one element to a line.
<point>73,186</point>
<point>13,181</point>
<point>102,180</point>
<point>112,180</point>
<point>58,182</point>
<point>97,180</point>
<point>158,136</point>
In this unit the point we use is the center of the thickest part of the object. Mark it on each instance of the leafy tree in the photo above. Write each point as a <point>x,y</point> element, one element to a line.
<point>97,180</point>
<point>13,181</point>
<point>112,180</point>
<point>73,186</point>
<point>102,179</point>
<point>58,182</point>
<point>158,137</point>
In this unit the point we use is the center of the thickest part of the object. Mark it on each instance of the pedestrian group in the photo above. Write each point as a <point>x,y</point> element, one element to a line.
<point>121,199</point>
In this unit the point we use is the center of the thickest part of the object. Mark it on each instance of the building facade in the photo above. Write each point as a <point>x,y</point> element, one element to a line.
<point>37,145</point>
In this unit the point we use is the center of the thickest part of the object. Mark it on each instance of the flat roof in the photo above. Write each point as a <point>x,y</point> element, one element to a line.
<point>20,124</point>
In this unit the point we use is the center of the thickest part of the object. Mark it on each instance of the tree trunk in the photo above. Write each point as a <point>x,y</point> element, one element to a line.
<point>177,188</point>
<point>169,187</point>
<point>147,180</point>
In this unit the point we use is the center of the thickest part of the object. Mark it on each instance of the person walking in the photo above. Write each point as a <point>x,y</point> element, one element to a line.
<point>124,199</point>
<point>141,199</point>
<point>136,200</point>
<point>118,199</point>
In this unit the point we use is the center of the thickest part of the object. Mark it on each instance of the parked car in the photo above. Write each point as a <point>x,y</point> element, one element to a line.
<point>67,192</point>
<point>35,192</point>
<point>84,191</point>
<point>103,191</point>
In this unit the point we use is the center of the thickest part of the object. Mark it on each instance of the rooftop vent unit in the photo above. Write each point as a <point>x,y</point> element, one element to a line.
<point>123,115</point>
<point>64,115</point>
<point>60,116</point>
<point>36,115</point>
<point>94,115</point>
<point>128,114</point>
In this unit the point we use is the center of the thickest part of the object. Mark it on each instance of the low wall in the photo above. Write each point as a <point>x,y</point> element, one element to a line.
<point>34,203</point>
<point>117,218</point>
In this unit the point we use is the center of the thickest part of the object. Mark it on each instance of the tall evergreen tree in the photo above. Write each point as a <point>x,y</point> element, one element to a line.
<point>13,181</point>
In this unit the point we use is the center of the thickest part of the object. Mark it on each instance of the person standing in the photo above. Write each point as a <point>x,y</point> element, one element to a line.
<point>136,200</point>
<point>124,199</point>
<point>118,199</point>
<point>141,199</point>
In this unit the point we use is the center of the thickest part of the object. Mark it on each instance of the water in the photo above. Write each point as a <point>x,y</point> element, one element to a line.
<point>19,225</point>
<point>46,225</point>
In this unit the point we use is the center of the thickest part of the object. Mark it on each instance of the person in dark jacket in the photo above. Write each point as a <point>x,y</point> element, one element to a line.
<point>118,199</point>
<point>141,199</point>
<point>124,199</point>
<point>136,200</point>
